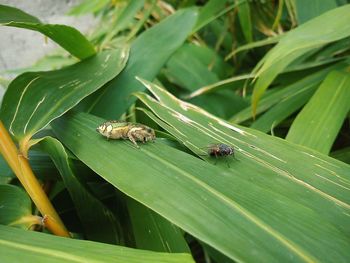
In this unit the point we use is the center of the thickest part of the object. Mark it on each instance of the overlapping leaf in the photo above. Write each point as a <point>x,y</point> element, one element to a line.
<point>101,225</point>
<point>298,42</point>
<point>28,246</point>
<point>302,196</point>
<point>15,207</point>
<point>318,124</point>
<point>34,99</point>
<point>67,37</point>
<point>148,54</point>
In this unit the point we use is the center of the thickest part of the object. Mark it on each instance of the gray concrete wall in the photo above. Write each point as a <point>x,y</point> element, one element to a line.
<point>20,47</point>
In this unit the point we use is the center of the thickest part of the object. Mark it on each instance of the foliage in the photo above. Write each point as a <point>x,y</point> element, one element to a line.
<point>266,78</point>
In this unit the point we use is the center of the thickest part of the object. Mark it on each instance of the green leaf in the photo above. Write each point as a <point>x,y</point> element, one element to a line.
<point>15,207</point>
<point>287,197</point>
<point>245,21</point>
<point>283,109</point>
<point>167,173</point>
<point>303,39</point>
<point>306,10</point>
<point>101,225</point>
<point>278,94</point>
<point>28,246</point>
<point>153,232</point>
<point>318,124</point>
<point>34,99</point>
<point>204,69</point>
<point>222,103</point>
<point>190,76</point>
<point>148,54</point>
<point>67,37</point>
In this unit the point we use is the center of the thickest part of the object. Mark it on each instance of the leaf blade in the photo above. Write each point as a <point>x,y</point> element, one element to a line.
<point>260,160</point>
<point>318,124</point>
<point>67,37</point>
<point>32,246</point>
<point>27,105</point>
<point>303,39</point>
<point>149,45</point>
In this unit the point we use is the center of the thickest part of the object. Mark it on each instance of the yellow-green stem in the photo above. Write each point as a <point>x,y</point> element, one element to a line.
<point>20,166</point>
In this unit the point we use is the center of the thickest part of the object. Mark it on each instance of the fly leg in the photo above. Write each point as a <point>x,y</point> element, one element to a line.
<point>216,158</point>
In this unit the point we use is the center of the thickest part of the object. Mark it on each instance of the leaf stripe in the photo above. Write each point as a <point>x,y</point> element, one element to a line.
<point>287,243</point>
<point>19,102</point>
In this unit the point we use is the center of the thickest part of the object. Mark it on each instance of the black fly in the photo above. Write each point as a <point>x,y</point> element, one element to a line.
<point>220,150</point>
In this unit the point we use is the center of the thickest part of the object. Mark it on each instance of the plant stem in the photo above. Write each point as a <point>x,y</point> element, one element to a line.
<point>20,166</point>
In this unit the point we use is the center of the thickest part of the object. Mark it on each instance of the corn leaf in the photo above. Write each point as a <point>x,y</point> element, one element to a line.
<point>28,246</point>
<point>101,225</point>
<point>294,201</point>
<point>318,124</point>
<point>15,206</point>
<point>148,54</point>
<point>303,39</point>
<point>34,99</point>
<point>67,37</point>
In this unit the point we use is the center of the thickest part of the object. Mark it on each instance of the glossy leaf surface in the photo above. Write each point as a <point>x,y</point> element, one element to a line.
<point>28,246</point>
<point>318,124</point>
<point>34,99</point>
<point>284,194</point>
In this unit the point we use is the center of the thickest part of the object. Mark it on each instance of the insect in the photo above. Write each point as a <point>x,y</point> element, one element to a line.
<point>126,130</point>
<point>220,150</point>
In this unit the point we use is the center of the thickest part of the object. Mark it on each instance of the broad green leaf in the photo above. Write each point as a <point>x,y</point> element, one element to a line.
<point>245,21</point>
<point>303,39</point>
<point>306,10</point>
<point>298,198</point>
<point>148,54</point>
<point>318,124</point>
<point>67,37</point>
<point>153,232</point>
<point>18,245</point>
<point>99,222</point>
<point>283,109</point>
<point>15,207</point>
<point>34,99</point>
<point>208,193</point>
<point>173,177</point>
